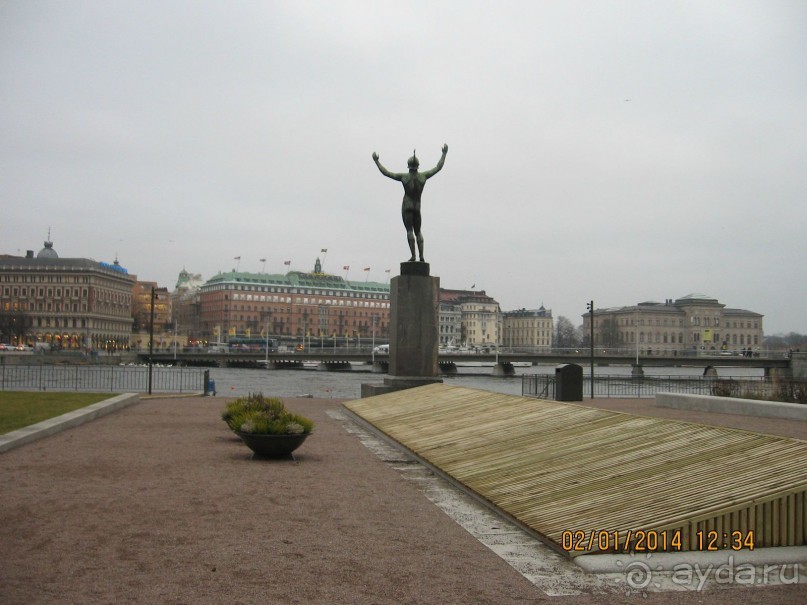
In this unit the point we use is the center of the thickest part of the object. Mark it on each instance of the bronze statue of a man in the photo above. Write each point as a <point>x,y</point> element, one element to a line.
<point>413,183</point>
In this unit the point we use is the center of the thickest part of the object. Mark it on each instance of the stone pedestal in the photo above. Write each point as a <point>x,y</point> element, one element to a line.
<point>414,330</point>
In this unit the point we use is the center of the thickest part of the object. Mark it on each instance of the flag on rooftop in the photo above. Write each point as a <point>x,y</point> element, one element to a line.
<point>324,250</point>
<point>288,262</point>
<point>263,260</point>
<point>346,268</point>
<point>367,268</point>
<point>236,258</point>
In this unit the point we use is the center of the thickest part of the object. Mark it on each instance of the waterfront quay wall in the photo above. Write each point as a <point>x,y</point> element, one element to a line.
<point>66,358</point>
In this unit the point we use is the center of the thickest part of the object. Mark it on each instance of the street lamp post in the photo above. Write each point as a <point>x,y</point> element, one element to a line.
<point>267,340</point>
<point>151,334</point>
<point>590,307</point>
<point>373,353</point>
<point>497,335</point>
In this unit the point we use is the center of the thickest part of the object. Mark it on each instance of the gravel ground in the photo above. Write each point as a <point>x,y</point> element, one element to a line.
<point>160,503</point>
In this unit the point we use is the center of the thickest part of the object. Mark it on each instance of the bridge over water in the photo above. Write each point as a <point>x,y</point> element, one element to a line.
<point>345,359</point>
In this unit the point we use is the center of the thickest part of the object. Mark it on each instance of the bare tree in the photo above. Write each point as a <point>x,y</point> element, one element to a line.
<point>566,335</point>
<point>790,341</point>
<point>13,325</point>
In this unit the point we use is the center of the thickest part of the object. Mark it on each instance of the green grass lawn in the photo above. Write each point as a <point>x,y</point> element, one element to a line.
<point>19,409</point>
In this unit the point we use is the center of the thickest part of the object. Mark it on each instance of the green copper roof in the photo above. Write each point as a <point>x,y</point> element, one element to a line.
<point>297,279</point>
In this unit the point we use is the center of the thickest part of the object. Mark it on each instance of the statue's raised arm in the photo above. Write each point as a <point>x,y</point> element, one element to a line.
<point>430,173</point>
<point>384,171</point>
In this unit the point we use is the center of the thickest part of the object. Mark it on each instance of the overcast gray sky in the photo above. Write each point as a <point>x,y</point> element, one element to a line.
<point>615,151</point>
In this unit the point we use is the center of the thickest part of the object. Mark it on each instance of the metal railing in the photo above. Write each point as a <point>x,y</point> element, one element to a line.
<point>543,386</point>
<point>113,379</point>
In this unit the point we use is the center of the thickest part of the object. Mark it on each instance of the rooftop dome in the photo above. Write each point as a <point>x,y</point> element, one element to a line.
<point>47,251</point>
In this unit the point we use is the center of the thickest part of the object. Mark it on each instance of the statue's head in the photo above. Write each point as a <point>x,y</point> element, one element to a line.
<point>413,162</point>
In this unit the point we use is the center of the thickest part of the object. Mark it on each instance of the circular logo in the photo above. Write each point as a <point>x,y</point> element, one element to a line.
<point>638,575</point>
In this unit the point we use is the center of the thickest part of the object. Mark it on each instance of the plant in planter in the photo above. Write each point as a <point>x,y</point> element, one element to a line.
<point>266,426</point>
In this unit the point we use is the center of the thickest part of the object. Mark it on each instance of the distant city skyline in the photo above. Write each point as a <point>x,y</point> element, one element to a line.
<point>287,266</point>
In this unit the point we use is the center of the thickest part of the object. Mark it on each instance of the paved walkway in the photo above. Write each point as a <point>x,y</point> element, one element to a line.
<point>159,503</point>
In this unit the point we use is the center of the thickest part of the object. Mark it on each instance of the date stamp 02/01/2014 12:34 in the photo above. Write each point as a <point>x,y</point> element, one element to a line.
<point>642,540</point>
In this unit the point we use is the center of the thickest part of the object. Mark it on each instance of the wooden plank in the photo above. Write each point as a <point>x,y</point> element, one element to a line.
<point>557,466</point>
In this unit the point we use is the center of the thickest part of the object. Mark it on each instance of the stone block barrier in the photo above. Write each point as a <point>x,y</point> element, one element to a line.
<point>732,405</point>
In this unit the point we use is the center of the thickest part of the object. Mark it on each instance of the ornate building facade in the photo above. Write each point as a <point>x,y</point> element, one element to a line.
<point>529,330</point>
<point>142,313</point>
<point>479,316</point>
<point>295,307</point>
<point>185,307</point>
<point>141,307</point>
<point>692,324</point>
<point>450,323</point>
<point>68,303</point>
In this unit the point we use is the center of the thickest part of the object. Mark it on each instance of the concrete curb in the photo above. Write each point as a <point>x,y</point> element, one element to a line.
<point>732,405</point>
<point>51,426</point>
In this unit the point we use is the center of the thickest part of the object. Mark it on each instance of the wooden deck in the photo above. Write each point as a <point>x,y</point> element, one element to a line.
<point>588,480</point>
